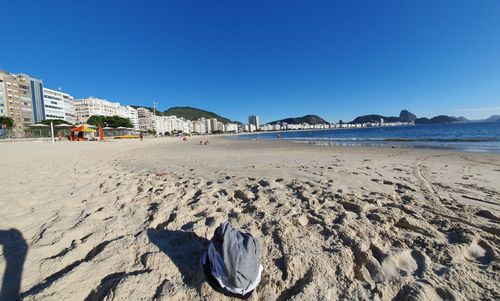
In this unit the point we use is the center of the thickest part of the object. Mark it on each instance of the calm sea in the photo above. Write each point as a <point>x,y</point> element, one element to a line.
<point>473,137</point>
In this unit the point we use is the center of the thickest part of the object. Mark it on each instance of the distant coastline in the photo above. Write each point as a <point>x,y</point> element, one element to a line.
<point>473,137</point>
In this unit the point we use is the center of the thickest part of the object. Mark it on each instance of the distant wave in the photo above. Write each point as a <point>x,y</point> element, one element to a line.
<point>397,139</point>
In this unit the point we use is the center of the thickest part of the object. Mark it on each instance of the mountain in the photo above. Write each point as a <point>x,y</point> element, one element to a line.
<point>193,114</point>
<point>406,116</point>
<point>374,118</point>
<point>311,119</point>
<point>437,119</point>
<point>492,118</point>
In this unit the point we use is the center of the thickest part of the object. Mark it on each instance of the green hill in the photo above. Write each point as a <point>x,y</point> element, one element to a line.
<point>437,119</point>
<point>193,114</point>
<point>310,119</point>
<point>374,118</point>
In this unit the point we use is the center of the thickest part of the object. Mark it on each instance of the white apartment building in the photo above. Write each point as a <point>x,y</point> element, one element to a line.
<point>199,127</point>
<point>163,124</point>
<point>170,124</point>
<point>3,96</point>
<point>86,107</point>
<point>130,113</point>
<point>213,125</point>
<point>69,109</point>
<point>208,125</point>
<point>133,116</point>
<point>232,127</point>
<point>221,127</point>
<point>145,119</point>
<point>57,104</point>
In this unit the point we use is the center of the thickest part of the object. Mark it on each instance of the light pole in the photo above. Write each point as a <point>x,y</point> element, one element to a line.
<point>154,116</point>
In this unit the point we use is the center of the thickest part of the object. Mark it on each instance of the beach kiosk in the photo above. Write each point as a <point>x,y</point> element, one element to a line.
<point>63,130</point>
<point>81,133</point>
<point>40,127</point>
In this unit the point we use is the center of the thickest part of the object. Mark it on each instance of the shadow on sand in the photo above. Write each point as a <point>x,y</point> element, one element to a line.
<point>184,249</point>
<point>15,249</point>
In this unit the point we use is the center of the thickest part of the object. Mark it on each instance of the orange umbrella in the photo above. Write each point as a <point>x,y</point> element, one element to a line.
<point>83,128</point>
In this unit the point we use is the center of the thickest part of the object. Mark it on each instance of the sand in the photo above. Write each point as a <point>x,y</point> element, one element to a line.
<point>128,220</point>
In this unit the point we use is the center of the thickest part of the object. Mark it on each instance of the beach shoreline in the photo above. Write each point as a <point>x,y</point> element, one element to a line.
<point>468,137</point>
<point>130,219</point>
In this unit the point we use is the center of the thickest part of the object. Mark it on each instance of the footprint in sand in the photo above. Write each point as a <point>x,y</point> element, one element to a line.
<point>479,251</point>
<point>424,290</point>
<point>407,262</point>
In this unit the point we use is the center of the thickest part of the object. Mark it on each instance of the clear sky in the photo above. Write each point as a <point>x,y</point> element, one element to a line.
<point>276,59</point>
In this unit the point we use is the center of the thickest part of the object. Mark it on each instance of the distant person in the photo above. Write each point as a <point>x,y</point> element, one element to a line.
<point>232,262</point>
<point>141,136</point>
<point>278,136</point>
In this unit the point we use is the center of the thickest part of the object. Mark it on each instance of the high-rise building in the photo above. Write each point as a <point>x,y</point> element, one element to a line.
<point>15,95</point>
<point>199,126</point>
<point>36,88</point>
<point>3,95</point>
<point>254,120</point>
<point>145,117</point>
<point>69,109</point>
<point>208,125</point>
<point>54,104</point>
<point>213,124</point>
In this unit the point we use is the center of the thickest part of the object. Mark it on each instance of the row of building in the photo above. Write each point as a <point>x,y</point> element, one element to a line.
<point>26,101</point>
<point>173,124</point>
<point>254,125</point>
<point>306,126</point>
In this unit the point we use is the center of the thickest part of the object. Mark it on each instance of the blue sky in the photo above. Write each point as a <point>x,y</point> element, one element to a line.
<point>276,59</point>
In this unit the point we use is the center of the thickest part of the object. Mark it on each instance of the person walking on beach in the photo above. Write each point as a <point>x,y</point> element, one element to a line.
<point>141,136</point>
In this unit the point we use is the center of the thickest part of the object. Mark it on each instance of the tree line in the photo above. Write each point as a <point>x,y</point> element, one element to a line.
<point>111,121</point>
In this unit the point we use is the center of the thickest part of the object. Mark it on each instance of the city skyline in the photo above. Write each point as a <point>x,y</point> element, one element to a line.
<point>335,60</point>
<point>487,111</point>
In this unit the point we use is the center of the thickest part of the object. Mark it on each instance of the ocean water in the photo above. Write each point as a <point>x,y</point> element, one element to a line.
<point>472,137</point>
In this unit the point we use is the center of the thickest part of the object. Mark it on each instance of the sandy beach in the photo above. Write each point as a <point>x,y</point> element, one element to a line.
<point>129,220</point>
